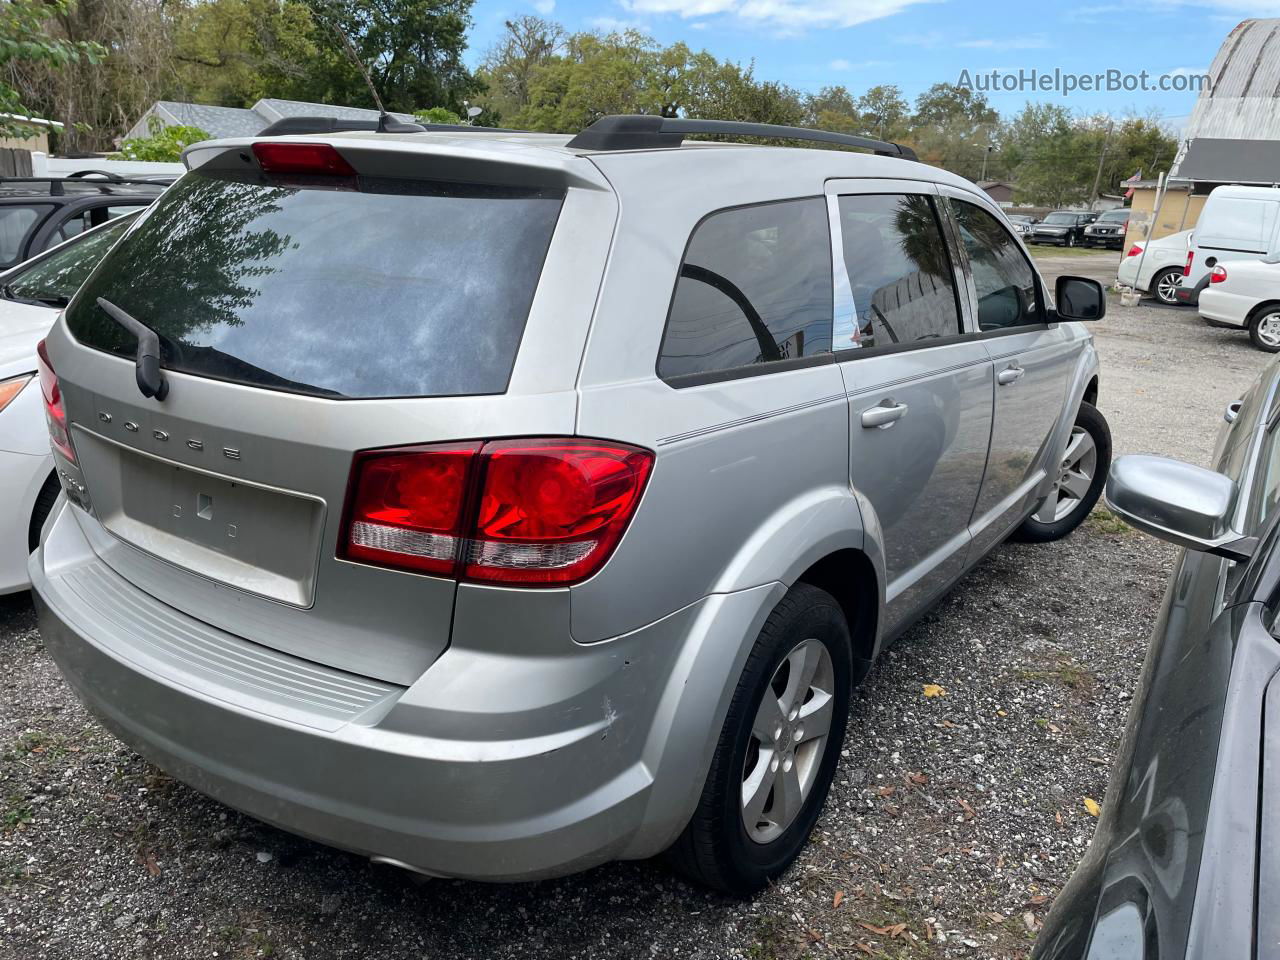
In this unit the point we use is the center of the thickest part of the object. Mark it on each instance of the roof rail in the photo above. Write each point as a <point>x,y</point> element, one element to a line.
<point>641,132</point>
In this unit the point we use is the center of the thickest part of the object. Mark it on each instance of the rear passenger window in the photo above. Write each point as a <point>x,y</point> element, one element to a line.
<point>1005,281</point>
<point>754,288</point>
<point>15,223</point>
<point>900,275</point>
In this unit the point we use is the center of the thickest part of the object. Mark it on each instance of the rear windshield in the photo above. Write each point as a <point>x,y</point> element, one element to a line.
<point>400,288</point>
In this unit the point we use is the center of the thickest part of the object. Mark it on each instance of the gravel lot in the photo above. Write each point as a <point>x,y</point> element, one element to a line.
<point>953,821</point>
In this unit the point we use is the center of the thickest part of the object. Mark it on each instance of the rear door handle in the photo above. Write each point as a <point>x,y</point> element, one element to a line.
<point>1232,411</point>
<point>884,415</point>
<point>1010,374</point>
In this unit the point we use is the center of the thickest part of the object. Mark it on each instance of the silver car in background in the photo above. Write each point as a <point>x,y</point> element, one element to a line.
<point>498,505</point>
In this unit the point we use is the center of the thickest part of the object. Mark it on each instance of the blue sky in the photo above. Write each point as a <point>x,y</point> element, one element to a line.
<point>915,43</point>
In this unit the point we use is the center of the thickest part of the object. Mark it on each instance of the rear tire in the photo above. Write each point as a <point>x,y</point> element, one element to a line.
<point>1165,284</point>
<point>1082,475</point>
<point>786,773</point>
<point>1264,328</point>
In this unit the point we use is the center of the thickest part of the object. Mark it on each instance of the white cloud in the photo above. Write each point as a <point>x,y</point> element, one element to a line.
<point>614,25</point>
<point>1034,42</point>
<point>790,16</point>
<point>935,38</point>
<point>544,7</point>
<point>847,66</point>
<point>1188,72</point>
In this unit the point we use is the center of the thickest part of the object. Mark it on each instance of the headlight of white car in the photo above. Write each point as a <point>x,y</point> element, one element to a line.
<point>12,387</point>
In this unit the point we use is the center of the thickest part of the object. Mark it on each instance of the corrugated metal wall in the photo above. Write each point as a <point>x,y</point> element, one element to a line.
<point>1243,99</point>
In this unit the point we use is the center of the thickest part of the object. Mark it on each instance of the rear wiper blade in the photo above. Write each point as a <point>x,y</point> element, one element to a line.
<point>151,382</point>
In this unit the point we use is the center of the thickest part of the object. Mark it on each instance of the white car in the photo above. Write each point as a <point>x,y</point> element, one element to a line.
<point>1159,272</point>
<point>33,293</point>
<point>1245,294</point>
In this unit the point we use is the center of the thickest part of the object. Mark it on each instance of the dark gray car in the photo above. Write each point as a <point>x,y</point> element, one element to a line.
<point>1184,861</point>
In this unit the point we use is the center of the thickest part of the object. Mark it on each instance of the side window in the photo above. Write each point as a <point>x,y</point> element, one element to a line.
<point>900,275</point>
<point>1004,278</point>
<point>754,287</point>
<point>15,223</point>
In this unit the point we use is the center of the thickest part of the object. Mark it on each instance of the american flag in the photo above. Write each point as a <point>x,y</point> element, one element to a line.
<point>1134,179</point>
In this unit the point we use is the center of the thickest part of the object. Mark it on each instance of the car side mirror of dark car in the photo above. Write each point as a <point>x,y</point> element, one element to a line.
<point>1178,502</point>
<point>1079,298</point>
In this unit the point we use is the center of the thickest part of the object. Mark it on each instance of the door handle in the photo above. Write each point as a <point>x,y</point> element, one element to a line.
<point>1010,374</point>
<point>884,414</point>
<point>1232,411</point>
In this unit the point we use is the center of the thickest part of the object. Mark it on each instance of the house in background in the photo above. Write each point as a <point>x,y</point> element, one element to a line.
<point>221,122</point>
<point>1000,192</point>
<point>1232,137</point>
<point>40,130</point>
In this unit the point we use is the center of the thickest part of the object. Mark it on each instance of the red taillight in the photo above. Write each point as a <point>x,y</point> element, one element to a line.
<point>521,512</point>
<point>1218,275</point>
<point>306,159</point>
<point>404,508</point>
<point>55,414</point>
<point>1135,250</point>
<point>1191,256</point>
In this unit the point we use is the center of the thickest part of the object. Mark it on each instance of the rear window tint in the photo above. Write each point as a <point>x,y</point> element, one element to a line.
<point>400,288</point>
<point>754,288</point>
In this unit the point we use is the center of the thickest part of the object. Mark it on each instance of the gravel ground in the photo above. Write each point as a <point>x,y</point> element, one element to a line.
<point>953,821</point>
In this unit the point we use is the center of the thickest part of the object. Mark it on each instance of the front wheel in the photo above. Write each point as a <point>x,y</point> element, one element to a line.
<point>777,751</point>
<point>1264,328</point>
<point>1082,473</point>
<point>1071,240</point>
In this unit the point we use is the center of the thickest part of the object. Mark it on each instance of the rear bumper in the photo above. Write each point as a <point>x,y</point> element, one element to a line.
<point>536,780</point>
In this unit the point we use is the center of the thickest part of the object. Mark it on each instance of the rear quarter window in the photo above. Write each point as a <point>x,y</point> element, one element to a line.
<point>397,288</point>
<point>754,288</point>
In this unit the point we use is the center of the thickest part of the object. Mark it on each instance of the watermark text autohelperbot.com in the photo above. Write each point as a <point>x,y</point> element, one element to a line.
<point>1065,83</point>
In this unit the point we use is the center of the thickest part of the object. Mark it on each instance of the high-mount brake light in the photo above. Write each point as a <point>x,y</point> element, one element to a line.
<point>55,412</point>
<point>541,512</point>
<point>301,159</point>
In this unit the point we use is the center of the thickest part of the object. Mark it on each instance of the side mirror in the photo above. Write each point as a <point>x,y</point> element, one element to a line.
<point>1178,502</point>
<point>1079,298</point>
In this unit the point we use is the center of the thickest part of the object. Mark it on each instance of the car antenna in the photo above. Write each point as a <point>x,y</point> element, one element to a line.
<point>386,122</point>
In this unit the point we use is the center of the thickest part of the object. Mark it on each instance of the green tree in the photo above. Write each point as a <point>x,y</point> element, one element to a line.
<point>884,112</point>
<point>164,145</point>
<point>25,42</point>
<point>507,70</point>
<point>436,115</point>
<point>412,48</point>
<point>952,127</point>
<point>235,52</point>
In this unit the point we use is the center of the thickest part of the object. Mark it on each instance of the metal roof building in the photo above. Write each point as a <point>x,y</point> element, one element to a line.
<point>1233,135</point>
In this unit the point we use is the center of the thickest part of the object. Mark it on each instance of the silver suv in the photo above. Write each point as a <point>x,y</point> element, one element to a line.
<point>498,504</point>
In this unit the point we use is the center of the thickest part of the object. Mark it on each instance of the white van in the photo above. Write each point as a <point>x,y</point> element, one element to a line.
<point>1237,223</point>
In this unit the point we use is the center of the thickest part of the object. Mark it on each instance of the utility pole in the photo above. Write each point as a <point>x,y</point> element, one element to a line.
<point>1102,157</point>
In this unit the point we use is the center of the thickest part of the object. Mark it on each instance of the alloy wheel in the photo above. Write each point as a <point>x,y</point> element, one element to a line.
<point>1167,287</point>
<point>788,738</point>
<point>1076,473</point>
